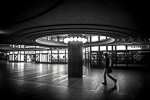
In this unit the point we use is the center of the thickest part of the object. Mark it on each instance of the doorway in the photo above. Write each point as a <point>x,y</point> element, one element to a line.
<point>30,58</point>
<point>95,59</point>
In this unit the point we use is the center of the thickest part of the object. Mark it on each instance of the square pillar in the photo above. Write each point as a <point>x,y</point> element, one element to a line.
<point>75,59</point>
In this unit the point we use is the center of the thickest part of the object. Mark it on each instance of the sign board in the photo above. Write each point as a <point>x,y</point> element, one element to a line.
<point>29,52</point>
<point>137,47</point>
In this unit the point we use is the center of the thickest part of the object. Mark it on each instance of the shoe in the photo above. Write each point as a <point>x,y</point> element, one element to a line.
<point>104,83</point>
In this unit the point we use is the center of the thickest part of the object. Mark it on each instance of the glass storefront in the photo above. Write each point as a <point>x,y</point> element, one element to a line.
<point>138,57</point>
<point>47,56</point>
<point>62,56</point>
<point>121,55</point>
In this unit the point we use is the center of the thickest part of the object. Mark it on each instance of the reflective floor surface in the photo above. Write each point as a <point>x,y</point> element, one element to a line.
<point>31,81</point>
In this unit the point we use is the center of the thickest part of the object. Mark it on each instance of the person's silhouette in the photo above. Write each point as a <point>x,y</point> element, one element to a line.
<point>107,64</point>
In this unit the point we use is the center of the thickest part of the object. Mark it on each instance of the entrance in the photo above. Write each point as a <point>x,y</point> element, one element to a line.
<point>95,59</point>
<point>30,58</point>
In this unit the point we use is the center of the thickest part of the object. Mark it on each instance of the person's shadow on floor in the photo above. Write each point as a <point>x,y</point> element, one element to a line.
<point>110,90</point>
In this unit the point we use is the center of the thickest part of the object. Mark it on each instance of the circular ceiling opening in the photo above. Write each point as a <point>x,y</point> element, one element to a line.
<point>59,40</point>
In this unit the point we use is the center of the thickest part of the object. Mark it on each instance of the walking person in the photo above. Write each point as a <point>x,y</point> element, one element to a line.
<point>107,65</point>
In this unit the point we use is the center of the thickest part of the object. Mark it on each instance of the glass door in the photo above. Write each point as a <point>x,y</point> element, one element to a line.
<point>95,59</point>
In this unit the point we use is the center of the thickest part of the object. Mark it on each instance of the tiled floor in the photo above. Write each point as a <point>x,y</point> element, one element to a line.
<point>30,81</point>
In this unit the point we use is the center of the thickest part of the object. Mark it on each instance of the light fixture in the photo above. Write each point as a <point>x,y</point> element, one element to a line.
<point>75,37</point>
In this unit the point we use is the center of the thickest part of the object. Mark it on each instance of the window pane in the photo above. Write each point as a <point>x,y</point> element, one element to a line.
<point>22,57</point>
<point>88,39</point>
<point>49,57</point>
<point>94,48</point>
<point>61,39</point>
<point>94,38</point>
<point>113,47</point>
<point>109,47</point>
<point>11,57</point>
<point>54,38</point>
<point>18,57</point>
<point>121,47</point>
<point>11,52</point>
<point>49,51</point>
<point>22,52</point>
<point>22,46</point>
<point>61,51</point>
<point>102,38</point>
<point>16,52</point>
<point>66,51</point>
<point>54,57</point>
<point>66,57</point>
<point>83,50</point>
<point>87,49</point>
<point>62,58</point>
<point>54,51</point>
<point>43,57</point>
<point>102,48</point>
<point>45,52</point>
<point>37,51</point>
<point>49,38</point>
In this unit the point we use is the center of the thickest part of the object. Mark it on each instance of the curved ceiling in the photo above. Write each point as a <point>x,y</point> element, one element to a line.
<point>58,40</point>
<point>22,22</point>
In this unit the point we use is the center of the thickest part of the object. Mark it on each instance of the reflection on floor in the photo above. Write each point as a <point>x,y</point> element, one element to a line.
<point>30,81</point>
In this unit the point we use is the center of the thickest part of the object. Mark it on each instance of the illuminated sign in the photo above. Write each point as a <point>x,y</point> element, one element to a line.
<point>29,52</point>
<point>138,56</point>
<point>137,47</point>
<point>29,46</point>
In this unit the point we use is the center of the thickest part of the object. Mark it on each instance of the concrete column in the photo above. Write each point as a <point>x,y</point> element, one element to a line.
<point>75,58</point>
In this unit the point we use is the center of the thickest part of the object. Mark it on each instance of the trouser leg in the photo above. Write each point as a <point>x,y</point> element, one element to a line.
<point>104,76</point>
<point>111,77</point>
